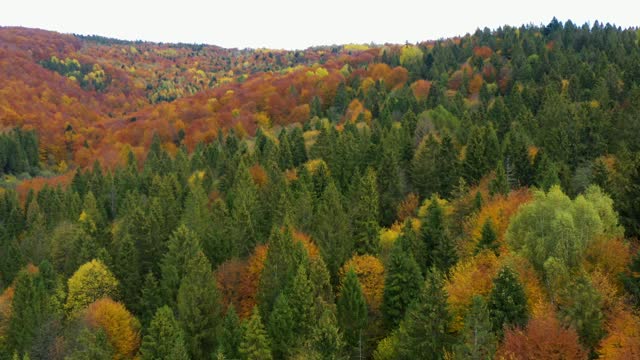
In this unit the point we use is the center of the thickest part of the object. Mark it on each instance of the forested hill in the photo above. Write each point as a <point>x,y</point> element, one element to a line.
<point>471,198</point>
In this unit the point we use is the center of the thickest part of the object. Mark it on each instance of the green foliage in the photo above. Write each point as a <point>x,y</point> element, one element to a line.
<point>164,339</point>
<point>439,247</point>
<point>92,281</point>
<point>90,344</point>
<point>488,237</point>
<point>583,311</point>
<point>352,312</point>
<point>29,310</point>
<point>230,335</point>
<point>364,214</point>
<point>507,301</point>
<point>183,248</point>
<point>255,344</point>
<point>280,327</point>
<point>326,338</point>
<point>424,333</point>
<point>478,340</point>
<point>402,283</point>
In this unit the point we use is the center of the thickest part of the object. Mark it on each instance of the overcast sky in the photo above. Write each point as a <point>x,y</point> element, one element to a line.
<point>295,24</point>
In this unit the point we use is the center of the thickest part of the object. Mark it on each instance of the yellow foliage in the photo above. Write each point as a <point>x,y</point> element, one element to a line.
<point>312,165</point>
<point>446,207</point>
<point>121,328</point>
<point>356,47</point>
<point>370,273</point>
<point>262,119</point>
<point>473,276</point>
<point>623,339</point>
<point>92,281</point>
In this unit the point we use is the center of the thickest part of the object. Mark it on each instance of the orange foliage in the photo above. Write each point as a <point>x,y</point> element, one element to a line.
<point>248,286</point>
<point>407,208</point>
<point>6,298</point>
<point>229,276</point>
<point>609,256</point>
<point>258,175</point>
<point>475,84</point>
<point>421,89</point>
<point>473,276</point>
<point>484,52</point>
<point>38,183</point>
<point>312,249</point>
<point>536,296</point>
<point>623,339</point>
<point>370,271</point>
<point>543,338</point>
<point>357,111</point>
<point>122,329</point>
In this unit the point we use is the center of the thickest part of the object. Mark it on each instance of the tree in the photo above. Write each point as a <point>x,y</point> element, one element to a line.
<point>370,272</point>
<point>499,185</point>
<point>301,300</point>
<point>364,214</point>
<point>280,328</point>
<point>244,210</point>
<point>583,311</point>
<point>352,312</point>
<point>424,167</point>
<point>326,338</point>
<point>182,249</point>
<point>164,339</point>
<point>231,335</point>
<point>507,301</point>
<point>255,344</point>
<point>126,267</point>
<point>401,284</point>
<point>91,344</point>
<point>390,186</point>
<point>424,332</point>
<point>488,237</point>
<point>29,310</point>
<point>92,281</point>
<point>478,339</point>
<point>122,328</point>
<point>440,249</point>
<point>199,308</point>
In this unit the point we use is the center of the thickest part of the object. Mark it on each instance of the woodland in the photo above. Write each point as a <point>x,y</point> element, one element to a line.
<point>476,197</point>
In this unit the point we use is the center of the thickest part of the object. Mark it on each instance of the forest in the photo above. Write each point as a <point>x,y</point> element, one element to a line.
<point>468,198</point>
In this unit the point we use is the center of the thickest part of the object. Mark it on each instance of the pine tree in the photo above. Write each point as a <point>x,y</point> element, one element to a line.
<point>507,301</point>
<point>500,184</point>
<point>231,335</point>
<point>164,338</point>
<point>401,284</point>
<point>280,328</point>
<point>255,344</point>
<point>352,312</point>
<point>199,308</point>
<point>326,338</point>
<point>29,310</point>
<point>439,247</point>
<point>478,339</point>
<point>183,247</point>
<point>424,332</point>
<point>364,215</point>
<point>488,237</point>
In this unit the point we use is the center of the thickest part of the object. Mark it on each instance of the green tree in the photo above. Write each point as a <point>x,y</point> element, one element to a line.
<point>507,301</point>
<point>151,297</point>
<point>301,300</point>
<point>364,214</point>
<point>352,312</point>
<point>280,328</point>
<point>199,308</point>
<point>244,210</point>
<point>90,344</point>
<point>326,338</point>
<point>29,310</point>
<point>126,267</point>
<point>488,237</point>
<point>164,338</point>
<point>478,339</point>
<point>440,249</point>
<point>183,248</point>
<point>401,284</point>
<point>424,333</point>
<point>255,344</point>
<point>499,185</point>
<point>231,335</point>
<point>582,309</point>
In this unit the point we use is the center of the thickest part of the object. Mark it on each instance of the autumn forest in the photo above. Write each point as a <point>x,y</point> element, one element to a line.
<point>476,197</point>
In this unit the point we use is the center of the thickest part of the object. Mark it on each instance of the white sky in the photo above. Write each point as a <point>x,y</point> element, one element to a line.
<point>292,24</point>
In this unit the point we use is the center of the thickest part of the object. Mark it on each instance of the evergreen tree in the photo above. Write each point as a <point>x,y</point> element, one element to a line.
<point>244,210</point>
<point>326,338</point>
<point>488,237</point>
<point>29,310</point>
<point>151,297</point>
<point>390,186</point>
<point>424,332</point>
<point>164,338</point>
<point>478,339</point>
<point>91,344</point>
<point>352,312</point>
<point>255,344</point>
<point>231,335</point>
<point>364,215</point>
<point>196,216</point>
<point>447,167</point>
<point>301,300</point>
<point>424,167</point>
<point>280,328</point>
<point>500,184</point>
<point>401,284</point>
<point>183,248</point>
<point>583,311</point>
<point>199,308</point>
<point>475,163</point>
<point>125,266</point>
<point>439,247</point>
<point>507,301</point>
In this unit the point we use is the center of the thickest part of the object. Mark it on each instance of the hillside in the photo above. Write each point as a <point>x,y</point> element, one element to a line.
<point>467,198</point>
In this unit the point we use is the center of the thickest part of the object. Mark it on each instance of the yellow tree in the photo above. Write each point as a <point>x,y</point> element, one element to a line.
<point>122,328</point>
<point>92,281</point>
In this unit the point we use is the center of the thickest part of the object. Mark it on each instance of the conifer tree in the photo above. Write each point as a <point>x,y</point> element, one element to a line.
<point>199,308</point>
<point>478,339</point>
<point>390,186</point>
<point>164,339</point>
<point>500,184</point>
<point>151,297</point>
<point>423,167</point>
<point>125,266</point>
<point>29,310</point>
<point>488,237</point>
<point>231,335</point>
<point>583,311</point>
<point>301,300</point>
<point>196,216</point>
<point>243,208</point>
<point>326,338</point>
<point>364,215</point>
<point>255,344</point>
<point>447,167</point>
<point>352,312</point>
<point>280,328</point>
<point>439,247</point>
<point>424,332</point>
<point>401,284</point>
<point>507,301</point>
<point>183,247</point>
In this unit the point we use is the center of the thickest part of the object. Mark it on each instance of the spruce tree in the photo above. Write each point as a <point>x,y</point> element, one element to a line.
<point>280,328</point>
<point>352,313</point>
<point>255,344</point>
<point>507,301</point>
<point>424,175</point>
<point>183,247</point>
<point>401,284</point>
<point>424,333</point>
<point>500,184</point>
<point>301,299</point>
<point>151,297</point>
<point>125,266</point>
<point>488,237</point>
<point>364,214</point>
<point>583,311</point>
<point>230,335</point>
<point>439,247</point>
<point>164,339</point>
<point>478,340</point>
<point>199,308</point>
<point>244,210</point>
<point>326,338</point>
<point>390,186</point>
<point>29,310</point>
<point>447,167</point>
